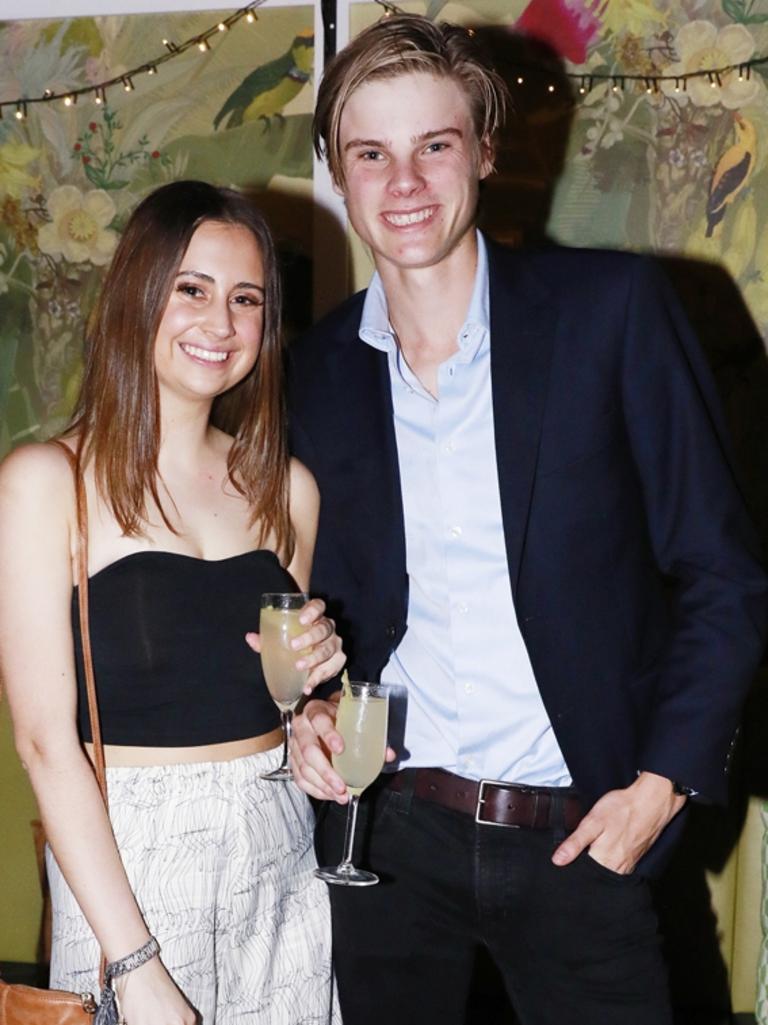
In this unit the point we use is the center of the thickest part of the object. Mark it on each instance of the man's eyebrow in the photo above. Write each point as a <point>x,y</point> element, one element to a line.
<point>423,137</point>
<point>439,131</point>
<point>207,278</point>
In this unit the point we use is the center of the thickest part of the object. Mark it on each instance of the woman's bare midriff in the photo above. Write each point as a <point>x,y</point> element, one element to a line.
<point>117,755</point>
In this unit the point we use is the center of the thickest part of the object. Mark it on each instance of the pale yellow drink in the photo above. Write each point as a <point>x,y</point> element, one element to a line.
<point>285,682</point>
<point>362,722</point>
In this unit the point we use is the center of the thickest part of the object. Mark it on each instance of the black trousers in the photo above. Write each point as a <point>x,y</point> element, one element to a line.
<point>577,945</point>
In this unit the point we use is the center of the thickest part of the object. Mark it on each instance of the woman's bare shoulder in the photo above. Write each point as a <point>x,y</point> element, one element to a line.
<point>303,486</point>
<point>36,472</point>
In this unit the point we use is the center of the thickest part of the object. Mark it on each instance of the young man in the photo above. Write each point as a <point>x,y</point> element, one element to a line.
<point>529,528</point>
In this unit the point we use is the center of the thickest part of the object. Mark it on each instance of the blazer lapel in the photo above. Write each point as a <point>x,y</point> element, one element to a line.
<point>523,324</point>
<point>362,392</point>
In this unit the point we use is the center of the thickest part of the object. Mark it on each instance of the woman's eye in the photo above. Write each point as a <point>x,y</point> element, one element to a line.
<point>188,289</point>
<point>248,300</point>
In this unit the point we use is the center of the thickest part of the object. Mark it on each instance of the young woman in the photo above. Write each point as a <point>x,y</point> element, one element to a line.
<point>194,510</point>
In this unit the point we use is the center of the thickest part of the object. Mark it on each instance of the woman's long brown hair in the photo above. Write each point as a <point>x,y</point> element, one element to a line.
<point>118,411</point>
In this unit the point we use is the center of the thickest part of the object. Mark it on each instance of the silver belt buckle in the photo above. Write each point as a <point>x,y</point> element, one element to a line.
<point>481,801</point>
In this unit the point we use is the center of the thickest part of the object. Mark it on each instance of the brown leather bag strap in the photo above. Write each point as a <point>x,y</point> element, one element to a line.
<point>82,601</point>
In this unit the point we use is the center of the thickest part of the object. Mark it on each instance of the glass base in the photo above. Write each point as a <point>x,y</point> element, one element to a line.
<point>346,876</point>
<point>277,774</point>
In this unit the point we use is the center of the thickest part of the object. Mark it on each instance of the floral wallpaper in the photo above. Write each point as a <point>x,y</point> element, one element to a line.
<point>69,176</point>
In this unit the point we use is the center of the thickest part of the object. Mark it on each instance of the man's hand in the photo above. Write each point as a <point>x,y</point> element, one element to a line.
<point>623,824</point>
<point>314,740</point>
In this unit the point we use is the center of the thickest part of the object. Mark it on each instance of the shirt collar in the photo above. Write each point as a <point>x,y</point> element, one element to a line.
<point>376,330</point>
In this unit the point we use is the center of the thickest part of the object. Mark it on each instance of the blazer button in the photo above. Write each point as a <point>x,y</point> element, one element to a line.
<point>390,632</point>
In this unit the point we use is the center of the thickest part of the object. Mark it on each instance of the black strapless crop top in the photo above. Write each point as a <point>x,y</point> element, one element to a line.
<point>171,663</point>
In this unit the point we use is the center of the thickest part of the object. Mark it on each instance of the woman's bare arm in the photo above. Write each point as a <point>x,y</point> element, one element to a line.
<point>37,665</point>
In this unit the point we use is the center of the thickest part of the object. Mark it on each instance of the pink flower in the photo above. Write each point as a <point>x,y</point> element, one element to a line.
<point>568,26</point>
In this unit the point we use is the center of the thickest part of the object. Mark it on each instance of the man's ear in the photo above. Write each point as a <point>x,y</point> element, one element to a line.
<point>487,158</point>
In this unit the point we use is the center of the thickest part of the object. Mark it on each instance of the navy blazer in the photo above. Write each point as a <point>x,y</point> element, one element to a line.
<point>632,561</point>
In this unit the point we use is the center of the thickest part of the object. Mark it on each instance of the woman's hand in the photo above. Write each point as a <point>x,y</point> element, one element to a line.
<point>149,996</point>
<point>318,649</point>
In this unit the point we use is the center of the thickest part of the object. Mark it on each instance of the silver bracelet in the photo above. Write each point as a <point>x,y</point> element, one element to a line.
<point>135,960</point>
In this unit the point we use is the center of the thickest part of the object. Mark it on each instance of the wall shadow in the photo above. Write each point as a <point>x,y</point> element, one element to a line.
<point>301,229</point>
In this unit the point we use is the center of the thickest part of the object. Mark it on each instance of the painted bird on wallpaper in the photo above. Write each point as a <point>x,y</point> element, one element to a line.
<point>732,172</point>
<point>268,89</point>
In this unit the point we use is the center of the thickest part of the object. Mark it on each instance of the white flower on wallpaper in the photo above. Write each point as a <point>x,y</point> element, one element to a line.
<point>79,228</point>
<point>700,44</point>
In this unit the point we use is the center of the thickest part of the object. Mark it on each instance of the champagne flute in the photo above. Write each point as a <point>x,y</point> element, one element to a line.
<point>362,722</point>
<point>278,625</point>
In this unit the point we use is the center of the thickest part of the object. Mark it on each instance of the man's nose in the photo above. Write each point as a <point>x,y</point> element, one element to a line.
<point>406,178</point>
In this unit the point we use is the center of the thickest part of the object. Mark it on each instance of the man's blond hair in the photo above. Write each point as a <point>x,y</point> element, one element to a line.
<point>400,45</point>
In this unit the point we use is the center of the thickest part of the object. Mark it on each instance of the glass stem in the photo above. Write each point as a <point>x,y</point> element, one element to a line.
<point>349,833</point>
<point>286,719</point>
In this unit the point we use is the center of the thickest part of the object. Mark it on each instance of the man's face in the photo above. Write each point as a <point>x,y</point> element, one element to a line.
<point>411,163</point>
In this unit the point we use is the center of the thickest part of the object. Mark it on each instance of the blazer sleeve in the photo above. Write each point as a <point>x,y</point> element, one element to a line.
<point>702,539</point>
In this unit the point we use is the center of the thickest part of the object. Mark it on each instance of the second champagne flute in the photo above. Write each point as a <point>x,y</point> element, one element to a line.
<point>362,722</point>
<point>278,625</point>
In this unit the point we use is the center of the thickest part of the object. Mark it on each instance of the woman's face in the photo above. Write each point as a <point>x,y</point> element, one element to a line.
<point>210,332</point>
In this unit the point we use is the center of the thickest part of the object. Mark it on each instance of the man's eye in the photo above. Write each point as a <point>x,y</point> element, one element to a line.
<point>371,154</point>
<point>437,147</point>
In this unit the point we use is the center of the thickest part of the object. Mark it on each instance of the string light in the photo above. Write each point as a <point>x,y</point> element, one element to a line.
<point>99,89</point>
<point>616,83</point>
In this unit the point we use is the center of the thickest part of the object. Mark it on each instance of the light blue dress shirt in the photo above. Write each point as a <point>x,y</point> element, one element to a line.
<point>461,674</point>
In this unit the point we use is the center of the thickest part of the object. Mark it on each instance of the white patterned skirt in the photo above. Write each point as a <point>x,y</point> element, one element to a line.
<point>221,865</point>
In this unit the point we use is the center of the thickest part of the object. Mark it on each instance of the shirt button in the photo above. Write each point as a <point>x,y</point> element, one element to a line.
<point>449,447</point>
<point>390,631</point>
<point>469,688</point>
<point>455,532</point>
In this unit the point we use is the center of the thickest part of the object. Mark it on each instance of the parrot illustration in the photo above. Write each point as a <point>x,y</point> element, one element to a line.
<point>731,173</point>
<point>268,89</point>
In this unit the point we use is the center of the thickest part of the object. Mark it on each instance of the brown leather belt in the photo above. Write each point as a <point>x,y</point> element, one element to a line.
<point>492,802</point>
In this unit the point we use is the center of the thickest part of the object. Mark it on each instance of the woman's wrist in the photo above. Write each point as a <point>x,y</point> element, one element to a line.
<point>138,957</point>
